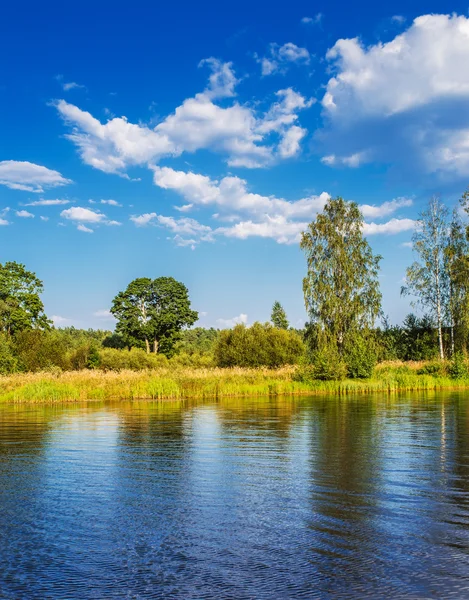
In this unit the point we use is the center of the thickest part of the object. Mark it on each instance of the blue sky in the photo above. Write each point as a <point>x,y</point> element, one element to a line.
<point>197,140</point>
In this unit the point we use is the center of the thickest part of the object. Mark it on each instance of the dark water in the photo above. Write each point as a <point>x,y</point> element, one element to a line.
<point>290,498</point>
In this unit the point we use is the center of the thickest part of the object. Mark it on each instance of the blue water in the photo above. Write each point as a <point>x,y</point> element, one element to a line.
<point>240,499</point>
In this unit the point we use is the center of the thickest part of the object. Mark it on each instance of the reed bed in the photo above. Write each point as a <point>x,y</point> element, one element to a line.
<point>191,383</point>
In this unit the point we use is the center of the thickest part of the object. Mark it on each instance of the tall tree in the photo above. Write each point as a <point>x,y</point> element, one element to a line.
<point>341,288</point>
<point>427,278</point>
<point>279,316</point>
<point>457,266</point>
<point>21,307</point>
<point>153,312</point>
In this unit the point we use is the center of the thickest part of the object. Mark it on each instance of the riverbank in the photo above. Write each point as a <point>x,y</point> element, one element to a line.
<point>183,382</point>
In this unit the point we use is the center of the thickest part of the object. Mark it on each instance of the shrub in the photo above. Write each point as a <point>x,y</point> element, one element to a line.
<point>457,368</point>
<point>8,362</point>
<point>361,358</point>
<point>111,359</point>
<point>257,346</point>
<point>40,350</point>
<point>327,364</point>
<point>433,368</point>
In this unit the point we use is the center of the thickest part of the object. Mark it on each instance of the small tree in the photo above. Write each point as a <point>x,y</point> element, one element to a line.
<point>153,312</point>
<point>279,316</point>
<point>427,278</point>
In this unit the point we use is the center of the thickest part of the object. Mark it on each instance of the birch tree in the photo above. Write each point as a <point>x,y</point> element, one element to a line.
<point>427,278</point>
<point>341,288</point>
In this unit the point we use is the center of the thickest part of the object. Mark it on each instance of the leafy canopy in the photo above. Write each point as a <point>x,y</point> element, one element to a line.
<point>21,307</point>
<point>152,312</point>
<point>341,288</point>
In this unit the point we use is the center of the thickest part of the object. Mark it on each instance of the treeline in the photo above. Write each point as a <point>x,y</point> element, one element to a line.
<point>342,296</point>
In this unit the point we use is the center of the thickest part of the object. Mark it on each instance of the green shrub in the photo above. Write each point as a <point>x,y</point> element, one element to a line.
<point>8,362</point>
<point>258,346</point>
<point>457,368</point>
<point>361,358</point>
<point>327,364</point>
<point>111,359</point>
<point>93,358</point>
<point>433,368</point>
<point>40,350</point>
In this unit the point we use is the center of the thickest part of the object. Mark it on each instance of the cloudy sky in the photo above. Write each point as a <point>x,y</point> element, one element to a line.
<point>196,141</point>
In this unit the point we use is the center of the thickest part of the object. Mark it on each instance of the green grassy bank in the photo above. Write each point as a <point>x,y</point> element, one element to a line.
<point>183,382</point>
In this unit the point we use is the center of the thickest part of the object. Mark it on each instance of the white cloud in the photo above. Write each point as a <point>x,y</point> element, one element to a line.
<point>393,226</point>
<point>253,215</point>
<point>71,85</point>
<point>44,218</point>
<point>83,215</point>
<point>228,323</point>
<point>407,245</point>
<point>61,321</point>
<point>43,202</point>
<point>103,314</point>
<point>29,177</point>
<point>236,131</point>
<point>4,222</point>
<point>84,228</point>
<point>318,17</point>
<point>399,19</point>
<point>403,102</point>
<point>385,209</point>
<point>24,214</point>
<point>280,57</point>
<point>110,202</point>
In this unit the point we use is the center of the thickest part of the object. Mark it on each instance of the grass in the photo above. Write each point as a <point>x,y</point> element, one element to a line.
<point>184,382</point>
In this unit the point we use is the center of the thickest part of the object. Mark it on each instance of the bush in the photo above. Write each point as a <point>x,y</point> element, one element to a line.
<point>258,346</point>
<point>327,364</point>
<point>8,362</point>
<point>361,358</point>
<point>458,368</point>
<point>433,368</point>
<point>40,350</point>
<point>111,359</point>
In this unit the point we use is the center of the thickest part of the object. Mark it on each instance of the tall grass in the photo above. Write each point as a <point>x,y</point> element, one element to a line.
<point>184,382</point>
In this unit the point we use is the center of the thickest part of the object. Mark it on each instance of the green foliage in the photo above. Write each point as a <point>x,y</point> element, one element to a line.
<point>341,288</point>
<point>433,368</point>
<point>458,368</point>
<point>153,312</point>
<point>136,359</point>
<point>279,316</point>
<point>8,361</point>
<point>326,363</point>
<point>40,350</point>
<point>21,307</point>
<point>114,340</point>
<point>361,357</point>
<point>93,358</point>
<point>256,346</point>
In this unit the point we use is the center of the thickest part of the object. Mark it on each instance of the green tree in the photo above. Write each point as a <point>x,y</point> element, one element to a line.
<point>427,278</point>
<point>279,316</point>
<point>21,307</point>
<point>153,312</point>
<point>341,288</point>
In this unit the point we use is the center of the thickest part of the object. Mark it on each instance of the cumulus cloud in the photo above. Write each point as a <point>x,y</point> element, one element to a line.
<point>84,215</point>
<point>44,218</point>
<point>404,102</point>
<point>236,131</point>
<point>316,20</point>
<point>84,228</point>
<point>24,214</point>
<point>110,202</point>
<point>250,214</point>
<point>279,58</point>
<point>29,177</point>
<point>228,323</point>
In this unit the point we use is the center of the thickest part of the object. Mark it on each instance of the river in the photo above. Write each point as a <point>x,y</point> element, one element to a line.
<point>243,499</point>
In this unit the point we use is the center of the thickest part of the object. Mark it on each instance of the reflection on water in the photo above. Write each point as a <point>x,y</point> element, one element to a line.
<point>271,498</point>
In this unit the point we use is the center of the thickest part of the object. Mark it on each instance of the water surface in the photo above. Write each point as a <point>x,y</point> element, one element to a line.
<point>253,498</point>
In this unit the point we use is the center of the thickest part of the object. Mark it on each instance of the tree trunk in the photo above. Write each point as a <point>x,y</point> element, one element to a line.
<point>147,344</point>
<point>452,338</point>
<point>438,313</point>
<point>155,346</point>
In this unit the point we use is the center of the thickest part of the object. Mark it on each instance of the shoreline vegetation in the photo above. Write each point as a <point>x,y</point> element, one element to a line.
<point>212,383</point>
